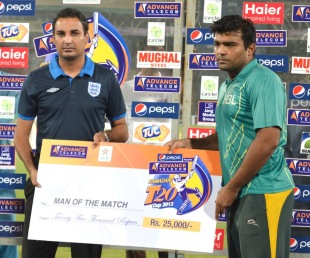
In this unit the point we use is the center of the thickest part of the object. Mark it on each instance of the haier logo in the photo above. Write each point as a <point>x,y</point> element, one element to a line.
<point>264,13</point>
<point>155,110</point>
<point>17,7</point>
<point>199,36</point>
<point>275,63</point>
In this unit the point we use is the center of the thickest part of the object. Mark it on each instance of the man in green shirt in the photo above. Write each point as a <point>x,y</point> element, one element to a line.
<point>257,192</point>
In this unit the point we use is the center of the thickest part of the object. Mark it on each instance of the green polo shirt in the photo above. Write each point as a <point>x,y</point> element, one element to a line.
<point>254,99</point>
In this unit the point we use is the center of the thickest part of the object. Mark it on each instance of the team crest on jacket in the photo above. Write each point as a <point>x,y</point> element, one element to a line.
<point>94,89</point>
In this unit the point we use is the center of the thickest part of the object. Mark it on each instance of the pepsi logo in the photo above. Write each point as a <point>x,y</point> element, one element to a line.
<point>293,244</point>
<point>297,193</point>
<point>196,36</point>
<point>48,27</point>
<point>2,7</point>
<point>162,157</point>
<point>299,91</point>
<point>140,109</point>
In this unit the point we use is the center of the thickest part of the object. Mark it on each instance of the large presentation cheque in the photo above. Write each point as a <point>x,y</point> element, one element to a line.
<point>127,195</point>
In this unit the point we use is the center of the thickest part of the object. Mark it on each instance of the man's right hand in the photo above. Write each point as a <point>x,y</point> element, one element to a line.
<point>174,144</point>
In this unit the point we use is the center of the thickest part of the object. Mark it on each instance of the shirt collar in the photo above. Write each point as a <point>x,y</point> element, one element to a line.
<point>244,72</point>
<point>56,70</point>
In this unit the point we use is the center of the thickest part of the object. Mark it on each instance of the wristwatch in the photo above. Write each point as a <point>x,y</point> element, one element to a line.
<point>105,136</point>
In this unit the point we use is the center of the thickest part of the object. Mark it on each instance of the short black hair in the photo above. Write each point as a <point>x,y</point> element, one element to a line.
<point>72,13</point>
<point>235,23</point>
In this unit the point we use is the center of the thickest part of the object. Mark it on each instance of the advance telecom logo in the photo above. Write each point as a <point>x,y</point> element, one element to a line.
<point>157,10</point>
<point>301,13</point>
<point>62,151</point>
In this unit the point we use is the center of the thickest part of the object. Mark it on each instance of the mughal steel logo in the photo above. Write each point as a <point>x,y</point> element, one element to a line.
<point>299,167</point>
<point>159,59</point>
<point>300,65</point>
<point>68,151</point>
<point>202,62</point>
<point>298,116</point>
<point>199,36</point>
<point>157,84</point>
<point>17,7</point>
<point>155,109</point>
<point>301,13</point>
<point>157,10</point>
<point>186,189</point>
<point>264,13</point>
<point>299,91</point>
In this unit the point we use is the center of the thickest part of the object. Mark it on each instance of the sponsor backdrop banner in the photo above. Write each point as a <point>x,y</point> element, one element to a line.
<point>117,190</point>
